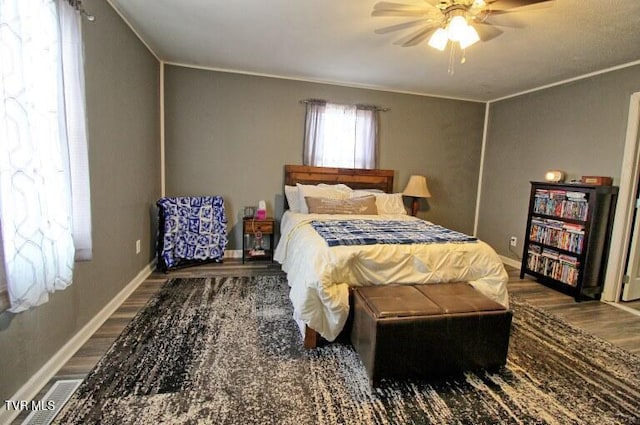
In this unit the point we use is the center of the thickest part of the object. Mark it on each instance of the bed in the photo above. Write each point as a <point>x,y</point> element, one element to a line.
<point>321,268</point>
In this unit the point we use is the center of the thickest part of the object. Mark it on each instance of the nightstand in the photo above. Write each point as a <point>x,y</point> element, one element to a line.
<point>258,239</point>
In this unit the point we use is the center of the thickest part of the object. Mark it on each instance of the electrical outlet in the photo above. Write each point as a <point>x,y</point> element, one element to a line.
<point>138,246</point>
<point>513,241</point>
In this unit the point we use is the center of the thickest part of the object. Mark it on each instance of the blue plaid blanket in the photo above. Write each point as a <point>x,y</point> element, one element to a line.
<point>371,232</point>
<point>193,228</point>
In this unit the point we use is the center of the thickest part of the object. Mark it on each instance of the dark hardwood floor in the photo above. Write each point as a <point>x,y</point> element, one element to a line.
<point>606,321</point>
<point>601,319</point>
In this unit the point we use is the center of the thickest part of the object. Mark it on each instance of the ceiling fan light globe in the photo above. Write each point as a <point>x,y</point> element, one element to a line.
<point>439,39</point>
<point>468,37</point>
<point>457,27</point>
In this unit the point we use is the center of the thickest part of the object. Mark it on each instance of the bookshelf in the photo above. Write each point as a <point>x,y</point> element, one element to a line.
<point>566,243</point>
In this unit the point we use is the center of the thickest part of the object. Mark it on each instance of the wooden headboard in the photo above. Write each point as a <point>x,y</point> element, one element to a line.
<point>355,178</point>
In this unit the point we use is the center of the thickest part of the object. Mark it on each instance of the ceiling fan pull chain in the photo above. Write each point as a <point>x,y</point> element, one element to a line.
<point>464,56</point>
<point>452,58</point>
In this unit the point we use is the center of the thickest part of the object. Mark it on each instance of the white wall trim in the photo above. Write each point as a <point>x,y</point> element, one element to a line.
<point>163,175</point>
<point>569,80</point>
<point>31,388</point>
<point>233,253</point>
<point>623,221</point>
<point>481,171</point>
<point>320,81</point>
<point>511,262</point>
<point>624,307</point>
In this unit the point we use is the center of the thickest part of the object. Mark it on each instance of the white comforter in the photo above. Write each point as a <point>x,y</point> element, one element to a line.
<point>319,276</point>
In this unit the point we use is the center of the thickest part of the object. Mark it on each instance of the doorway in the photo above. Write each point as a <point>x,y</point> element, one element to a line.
<point>631,280</point>
<point>625,238</point>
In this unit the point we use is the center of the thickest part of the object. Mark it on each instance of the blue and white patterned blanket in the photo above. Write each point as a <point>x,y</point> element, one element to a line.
<point>195,228</point>
<point>371,232</point>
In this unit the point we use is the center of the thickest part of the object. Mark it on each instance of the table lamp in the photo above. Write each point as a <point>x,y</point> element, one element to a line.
<point>416,188</point>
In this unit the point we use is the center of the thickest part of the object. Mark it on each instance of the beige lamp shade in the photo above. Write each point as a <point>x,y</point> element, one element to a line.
<point>417,187</point>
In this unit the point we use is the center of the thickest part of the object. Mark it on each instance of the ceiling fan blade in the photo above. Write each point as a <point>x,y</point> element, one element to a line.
<point>404,25</point>
<point>404,12</point>
<point>418,36</point>
<point>487,32</point>
<point>501,19</point>
<point>511,4</point>
<point>385,8</point>
<point>488,12</point>
<point>392,5</point>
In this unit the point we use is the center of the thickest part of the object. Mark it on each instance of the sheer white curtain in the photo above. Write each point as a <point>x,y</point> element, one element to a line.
<point>73,120</point>
<point>314,145</point>
<point>35,180</point>
<point>366,140</point>
<point>340,135</point>
<point>4,294</point>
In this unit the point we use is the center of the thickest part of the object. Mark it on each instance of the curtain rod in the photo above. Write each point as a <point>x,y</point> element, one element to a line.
<point>77,5</point>
<point>322,102</point>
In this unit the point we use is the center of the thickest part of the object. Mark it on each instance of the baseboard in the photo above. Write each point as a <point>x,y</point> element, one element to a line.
<point>33,386</point>
<point>511,262</point>
<point>623,307</point>
<point>233,253</point>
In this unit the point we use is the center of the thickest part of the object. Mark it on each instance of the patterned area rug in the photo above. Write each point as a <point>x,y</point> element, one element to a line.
<point>225,351</point>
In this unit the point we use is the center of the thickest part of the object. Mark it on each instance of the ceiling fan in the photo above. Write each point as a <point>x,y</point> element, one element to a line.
<point>460,21</point>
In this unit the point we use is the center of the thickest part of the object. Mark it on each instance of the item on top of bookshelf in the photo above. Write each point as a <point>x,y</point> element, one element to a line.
<point>597,180</point>
<point>554,176</point>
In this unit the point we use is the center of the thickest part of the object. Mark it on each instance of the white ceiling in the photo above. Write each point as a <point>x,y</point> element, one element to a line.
<point>334,41</point>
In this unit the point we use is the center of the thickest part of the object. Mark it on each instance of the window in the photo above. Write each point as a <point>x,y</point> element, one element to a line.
<point>341,135</point>
<point>43,150</point>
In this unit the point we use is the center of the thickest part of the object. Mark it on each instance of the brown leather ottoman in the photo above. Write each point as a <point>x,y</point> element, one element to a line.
<point>428,330</point>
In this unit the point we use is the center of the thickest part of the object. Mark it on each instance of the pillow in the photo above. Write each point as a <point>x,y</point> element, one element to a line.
<point>362,192</point>
<point>360,205</point>
<point>291,193</point>
<point>367,191</point>
<point>317,192</point>
<point>339,186</point>
<point>387,203</point>
<point>390,203</point>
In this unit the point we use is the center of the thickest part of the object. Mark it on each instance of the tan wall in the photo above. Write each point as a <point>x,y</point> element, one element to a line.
<point>578,128</point>
<point>231,134</point>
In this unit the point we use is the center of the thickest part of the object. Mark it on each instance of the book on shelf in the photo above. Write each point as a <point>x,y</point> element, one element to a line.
<point>558,234</point>
<point>576,195</point>
<point>568,259</point>
<point>575,209</point>
<point>573,227</point>
<point>553,264</point>
<point>572,209</point>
